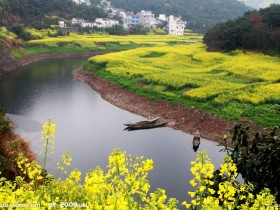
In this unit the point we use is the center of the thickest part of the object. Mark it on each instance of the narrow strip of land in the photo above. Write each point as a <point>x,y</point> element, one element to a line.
<point>11,64</point>
<point>179,117</point>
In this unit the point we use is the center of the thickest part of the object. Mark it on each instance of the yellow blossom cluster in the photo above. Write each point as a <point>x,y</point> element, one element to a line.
<point>94,40</point>
<point>207,75</point>
<point>125,185</point>
<point>41,33</point>
<point>227,193</point>
<point>48,135</point>
<point>4,33</point>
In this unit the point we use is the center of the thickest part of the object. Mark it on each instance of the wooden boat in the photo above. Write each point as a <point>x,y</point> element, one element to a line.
<point>144,122</point>
<point>196,139</point>
<point>146,125</point>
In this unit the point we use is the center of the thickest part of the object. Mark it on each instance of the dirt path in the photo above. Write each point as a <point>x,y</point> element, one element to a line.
<point>179,117</point>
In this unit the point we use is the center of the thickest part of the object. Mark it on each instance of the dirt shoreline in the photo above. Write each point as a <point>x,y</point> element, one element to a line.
<point>12,64</point>
<point>179,117</point>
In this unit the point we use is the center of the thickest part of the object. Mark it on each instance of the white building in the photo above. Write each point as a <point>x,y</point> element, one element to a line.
<point>61,24</point>
<point>162,17</point>
<point>105,22</point>
<point>88,24</point>
<point>176,25</point>
<point>77,21</point>
<point>147,18</point>
<point>105,3</point>
<point>87,2</point>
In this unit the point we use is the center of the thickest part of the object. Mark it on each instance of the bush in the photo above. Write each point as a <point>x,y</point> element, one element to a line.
<point>4,124</point>
<point>116,30</point>
<point>257,158</point>
<point>19,30</point>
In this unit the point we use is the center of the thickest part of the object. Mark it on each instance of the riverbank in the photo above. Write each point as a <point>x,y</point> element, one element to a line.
<point>11,146</point>
<point>179,117</point>
<point>10,64</point>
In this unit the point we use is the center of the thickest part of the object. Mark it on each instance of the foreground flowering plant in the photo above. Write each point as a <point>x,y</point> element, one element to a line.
<point>220,190</point>
<point>124,186</point>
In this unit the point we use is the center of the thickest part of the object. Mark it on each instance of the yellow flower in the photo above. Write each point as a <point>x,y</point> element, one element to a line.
<point>193,183</point>
<point>187,205</point>
<point>211,191</point>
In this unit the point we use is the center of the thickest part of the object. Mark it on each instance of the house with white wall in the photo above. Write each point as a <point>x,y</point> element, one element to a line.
<point>87,2</point>
<point>105,3</point>
<point>131,21</point>
<point>147,18</point>
<point>106,22</point>
<point>77,21</point>
<point>162,17</point>
<point>176,25</point>
<point>88,24</point>
<point>61,24</point>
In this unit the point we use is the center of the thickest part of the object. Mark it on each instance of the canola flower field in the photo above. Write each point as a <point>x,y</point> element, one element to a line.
<point>237,85</point>
<point>95,40</point>
<point>98,42</point>
<point>234,85</point>
<point>41,33</point>
<point>5,34</point>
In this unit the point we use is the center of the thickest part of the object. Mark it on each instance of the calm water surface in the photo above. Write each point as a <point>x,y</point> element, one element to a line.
<point>90,128</point>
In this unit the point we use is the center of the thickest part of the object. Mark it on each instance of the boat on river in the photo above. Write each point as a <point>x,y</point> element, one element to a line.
<point>196,140</point>
<point>145,124</point>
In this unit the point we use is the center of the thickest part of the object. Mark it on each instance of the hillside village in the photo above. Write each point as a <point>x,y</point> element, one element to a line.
<point>173,25</point>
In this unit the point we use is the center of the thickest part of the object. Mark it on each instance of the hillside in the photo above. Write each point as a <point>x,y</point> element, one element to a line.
<point>199,14</point>
<point>257,31</point>
<point>42,13</point>
<point>261,3</point>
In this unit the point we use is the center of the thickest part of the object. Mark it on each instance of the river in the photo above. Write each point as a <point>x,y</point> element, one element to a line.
<point>90,127</point>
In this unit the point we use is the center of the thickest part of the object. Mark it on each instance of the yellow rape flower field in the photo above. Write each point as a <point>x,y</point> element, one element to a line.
<point>232,85</point>
<point>236,85</point>
<point>97,39</point>
<point>47,42</point>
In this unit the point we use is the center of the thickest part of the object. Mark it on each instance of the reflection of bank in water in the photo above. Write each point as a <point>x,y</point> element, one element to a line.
<point>24,123</point>
<point>196,140</point>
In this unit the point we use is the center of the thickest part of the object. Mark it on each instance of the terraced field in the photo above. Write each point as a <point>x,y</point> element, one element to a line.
<point>97,42</point>
<point>102,40</point>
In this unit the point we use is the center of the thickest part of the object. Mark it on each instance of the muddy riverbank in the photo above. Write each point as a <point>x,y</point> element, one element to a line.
<point>179,117</point>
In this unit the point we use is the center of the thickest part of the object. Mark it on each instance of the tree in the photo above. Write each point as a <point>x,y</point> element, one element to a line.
<point>271,15</point>
<point>139,29</point>
<point>257,38</point>
<point>116,30</point>
<point>18,29</point>
<point>275,39</point>
<point>256,30</point>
